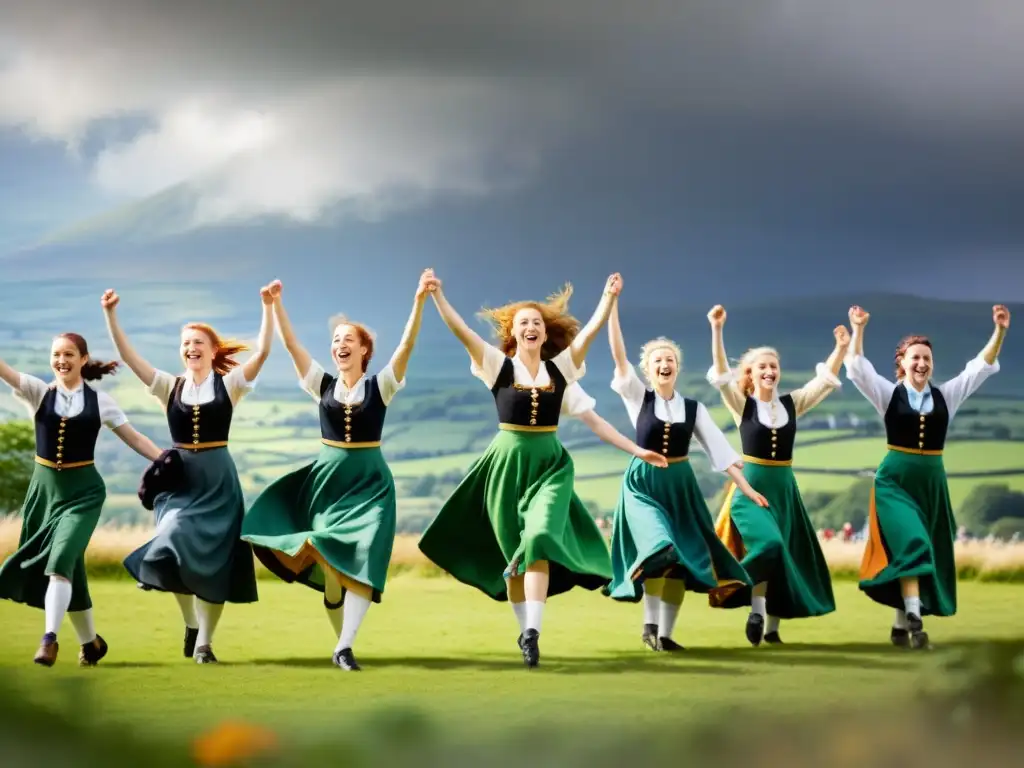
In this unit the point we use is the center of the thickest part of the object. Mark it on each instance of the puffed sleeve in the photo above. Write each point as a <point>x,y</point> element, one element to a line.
<point>575,401</point>
<point>956,391</point>
<point>494,358</point>
<point>237,385</point>
<point>720,453</point>
<point>162,387</point>
<point>31,392</point>
<point>110,412</point>
<point>725,383</point>
<point>388,383</point>
<point>816,390</point>
<point>564,362</point>
<point>313,380</point>
<point>632,390</point>
<point>876,389</point>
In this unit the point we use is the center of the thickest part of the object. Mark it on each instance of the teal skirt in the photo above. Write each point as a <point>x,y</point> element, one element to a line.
<point>911,534</point>
<point>60,513</point>
<point>516,507</point>
<point>777,545</point>
<point>662,527</point>
<point>196,549</point>
<point>338,513</point>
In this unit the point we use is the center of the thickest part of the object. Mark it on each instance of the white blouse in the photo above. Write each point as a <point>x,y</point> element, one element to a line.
<point>879,391</point>
<point>192,394</point>
<point>632,391</point>
<point>69,403</point>
<point>575,402</point>
<point>387,382</point>
<point>804,398</point>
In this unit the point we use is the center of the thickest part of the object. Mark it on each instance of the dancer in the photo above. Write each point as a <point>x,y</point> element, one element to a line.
<point>331,524</point>
<point>196,552</point>
<point>663,540</point>
<point>514,528</point>
<point>909,562</point>
<point>777,546</point>
<point>66,494</point>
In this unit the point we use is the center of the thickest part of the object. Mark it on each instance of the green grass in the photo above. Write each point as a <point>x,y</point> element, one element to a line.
<point>441,647</point>
<point>960,456</point>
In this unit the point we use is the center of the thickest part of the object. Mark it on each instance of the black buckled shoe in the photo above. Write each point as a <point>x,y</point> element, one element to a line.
<point>755,629</point>
<point>90,654</point>
<point>650,636</point>
<point>346,660</point>
<point>531,648</point>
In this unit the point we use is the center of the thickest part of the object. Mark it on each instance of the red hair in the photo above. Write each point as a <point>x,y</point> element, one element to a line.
<point>223,349</point>
<point>901,349</point>
<point>559,326</point>
<point>364,334</point>
<point>93,370</point>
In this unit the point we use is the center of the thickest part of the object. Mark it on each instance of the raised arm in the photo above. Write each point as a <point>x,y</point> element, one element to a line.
<point>826,377</point>
<point>957,390</point>
<point>611,435</point>
<point>10,376</point>
<point>301,359</point>
<point>142,369</point>
<point>400,360</point>
<point>875,388</point>
<point>470,339</point>
<point>618,344</point>
<point>581,344</point>
<point>720,376</point>
<point>1001,318</point>
<point>252,367</point>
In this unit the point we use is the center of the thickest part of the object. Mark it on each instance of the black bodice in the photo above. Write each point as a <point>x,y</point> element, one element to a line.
<point>195,426</point>
<point>670,439</point>
<point>528,406</point>
<point>360,423</point>
<point>61,440</point>
<point>766,443</point>
<point>914,431</point>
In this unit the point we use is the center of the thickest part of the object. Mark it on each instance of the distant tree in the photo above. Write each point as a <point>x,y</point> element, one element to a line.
<point>422,486</point>
<point>986,504</point>
<point>816,500</point>
<point>17,449</point>
<point>850,506</point>
<point>1007,527</point>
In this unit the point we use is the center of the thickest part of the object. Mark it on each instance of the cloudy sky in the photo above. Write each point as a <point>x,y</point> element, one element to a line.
<point>881,139</point>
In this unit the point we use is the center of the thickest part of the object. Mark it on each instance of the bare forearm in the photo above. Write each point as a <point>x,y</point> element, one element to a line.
<point>581,344</point>
<point>138,442</point>
<point>718,356</point>
<point>400,360</point>
<point>736,475</point>
<point>254,364</point>
<point>857,341</point>
<point>300,357</point>
<point>470,339</point>
<point>617,342</point>
<point>991,351</point>
<point>138,365</point>
<point>609,434</point>
<point>835,360</point>
<point>10,376</point>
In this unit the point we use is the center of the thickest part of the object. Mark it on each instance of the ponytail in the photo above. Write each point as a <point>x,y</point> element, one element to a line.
<point>92,370</point>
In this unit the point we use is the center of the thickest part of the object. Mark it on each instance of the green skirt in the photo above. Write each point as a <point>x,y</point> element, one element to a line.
<point>776,545</point>
<point>337,513</point>
<point>60,513</point>
<point>514,508</point>
<point>662,527</point>
<point>912,531</point>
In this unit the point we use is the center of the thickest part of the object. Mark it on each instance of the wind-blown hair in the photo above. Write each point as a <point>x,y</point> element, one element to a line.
<point>93,370</point>
<point>561,327</point>
<point>224,350</point>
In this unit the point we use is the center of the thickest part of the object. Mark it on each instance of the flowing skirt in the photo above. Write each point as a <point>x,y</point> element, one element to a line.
<point>912,530</point>
<point>196,548</point>
<point>59,515</point>
<point>515,507</point>
<point>776,545</point>
<point>336,514</point>
<point>662,527</point>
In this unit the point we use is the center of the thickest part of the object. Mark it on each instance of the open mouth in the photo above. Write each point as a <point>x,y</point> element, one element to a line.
<point>921,371</point>
<point>343,355</point>
<point>193,356</point>
<point>664,373</point>
<point>768,379</point>
<point>62,368</point>
<point>531,336</point>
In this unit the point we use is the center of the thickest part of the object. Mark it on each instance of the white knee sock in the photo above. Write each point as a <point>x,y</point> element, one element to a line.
<point>83,624</point>
<point>355,609</point>
<point>912,605</point>
<point>534,614</point>
<point>332,594</point>
<point>56,602</point>
<point>187,604</point>
<point>772,625</point>
<point>667,619</point>
<point>520,611</point>
<point>757,605</point>
<point>901,620</point>
<point>209,615</point>
<point>652,608</point>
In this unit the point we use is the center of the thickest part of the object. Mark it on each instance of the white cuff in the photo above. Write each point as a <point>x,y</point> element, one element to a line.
<point>717,379</point>
<point>822,371</point>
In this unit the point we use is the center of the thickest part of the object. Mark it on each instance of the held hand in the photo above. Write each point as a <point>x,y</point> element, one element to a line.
<point>275,289</point>
<point>758,499</point>
<point>858,317</point>
<point>717,316</point>
<point>109,300</point>
<point>614,284</point>
<point>428,284</point>
<point>842,336</point>
<point>1001,316</point>
<point>653,458</point>
<point>265,295</point>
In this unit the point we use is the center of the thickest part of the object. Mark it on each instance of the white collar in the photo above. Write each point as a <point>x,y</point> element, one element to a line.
<point>69,392</point>
<point>911,388</point>
<point>190,377</point>
<point>345,387</point>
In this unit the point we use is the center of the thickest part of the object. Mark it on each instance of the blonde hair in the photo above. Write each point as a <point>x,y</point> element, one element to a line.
<point>559,326</point>
<point>744,370</point>
<point>365,335</point>
<point>649,348</point>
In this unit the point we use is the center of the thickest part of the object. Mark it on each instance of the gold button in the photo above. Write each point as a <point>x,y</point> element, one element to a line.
<point>664,450</point>
<point>775,431</point>
<point>773,454</point>
<point>922,418</point>
<point>921,436</point>
<point>195,442</point>
<point>348,438</point>
<point>920,445</point>
<point>533,422</point>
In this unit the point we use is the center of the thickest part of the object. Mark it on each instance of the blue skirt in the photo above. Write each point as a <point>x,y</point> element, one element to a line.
<point>197,547</point>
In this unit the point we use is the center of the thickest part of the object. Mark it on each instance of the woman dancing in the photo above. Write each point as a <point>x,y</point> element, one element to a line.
<point>66,494</point>
<point>777,546</point>
<point>663,540</point>
<point>331,524</point>
<point>514,528</point>
<point>196,552</point>
<point>909,562</point>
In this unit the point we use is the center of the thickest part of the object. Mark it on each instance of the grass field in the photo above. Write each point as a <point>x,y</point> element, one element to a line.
<point>437,646</point>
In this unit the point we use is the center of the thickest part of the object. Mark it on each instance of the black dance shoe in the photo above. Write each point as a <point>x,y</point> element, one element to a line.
<point>755,629</point>
<point>531,648</point>
<point>204,655</point>
<point>91,653</point>
<point>668,644</point>
<point>191,635</point>
<point>900,637</point>
<point>773,638</point>
<point>918,637</point>
<point>650,636</point>
<point>346,660</point>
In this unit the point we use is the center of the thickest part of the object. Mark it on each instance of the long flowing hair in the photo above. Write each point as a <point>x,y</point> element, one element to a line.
<point>92,370</point>
<point>559,326</point>
<point>224,350</point>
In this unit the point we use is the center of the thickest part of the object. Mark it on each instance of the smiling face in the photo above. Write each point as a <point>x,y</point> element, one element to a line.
<point>662,367</point>
<point>196,350</point>
<point>347,348</point>
<point>917,366</point>
<point>529,329</point>
<point>765,372</point>
<point>66,361</point>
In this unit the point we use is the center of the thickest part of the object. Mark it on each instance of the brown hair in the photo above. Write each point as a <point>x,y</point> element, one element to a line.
<point>223,349</point>
<point>93,370</point>
<point>559,326</point>
<point>901,349</point>
<point>745,369</point>
<point>366,336</point>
